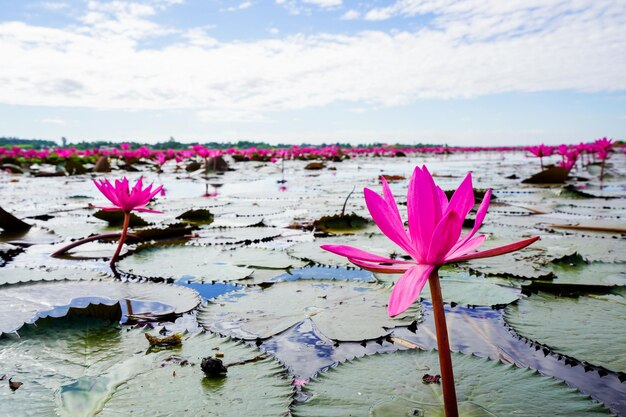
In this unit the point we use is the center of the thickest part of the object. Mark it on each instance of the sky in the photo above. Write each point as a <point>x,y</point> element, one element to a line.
<point>464,72</point>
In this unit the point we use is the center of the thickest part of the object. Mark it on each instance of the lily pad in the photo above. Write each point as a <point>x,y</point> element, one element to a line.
<point>26,303</point>
<point>585,274</point>
<point>88,367</point>
<point>474,293</point>
<point>341,223</point>
<point>205,263</point>
<point>588,328</point>
<point>390,385</point>
<point>336,309</point>
<point>117,218</point>
<point>10,275</point>
<point>311,251</point>
<point>199,216</point>
<point>552,175</point>
<point>10,223</point>
<point>259,385</point>
<point>465,289</point>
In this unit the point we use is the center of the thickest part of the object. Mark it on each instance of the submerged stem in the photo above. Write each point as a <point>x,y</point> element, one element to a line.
<point>87,240</point>
<point>443,347</point>
<point>122,238</point>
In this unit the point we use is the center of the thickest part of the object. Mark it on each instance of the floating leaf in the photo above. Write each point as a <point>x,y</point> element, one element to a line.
<point>391,385</point>
<point>10,275</point>
<point>199,216</point>
<point>552,175</point>
<point>589,328</point>
<point>462,288</point>
<point>10,223</point>
<point>582,276</point>
<point>25,303</point>
<point>88,367</point>
<point>313,166</point>
<point>374,242</point>
<point>117,218</point>
<point>474,293</point>
<point>335,308</point>
<point>341,223</point>
<point>206,264</point>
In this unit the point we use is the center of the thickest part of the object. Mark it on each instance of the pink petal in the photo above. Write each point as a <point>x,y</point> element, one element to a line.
<point>496,251</point>
<point>462,200</point>
<point>421,210</point>
<point>408,288</point>
<point>391,201</point>
<point>153,193</point>
<point>359,254</point>
<point>480,217</point>
<point>444,237</point>
<point>383,269</point>
<point>386,221</point>
<point>467,247</point>
<point>443,199</point>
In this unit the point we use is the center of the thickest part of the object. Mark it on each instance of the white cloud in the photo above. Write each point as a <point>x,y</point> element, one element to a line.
<point>307,7</point>
<point>240,6</point>
<point>351,15</point>
<point>467,53</point>
<point>53,6</point>
<point>54,121</point>
<point>324,3</point>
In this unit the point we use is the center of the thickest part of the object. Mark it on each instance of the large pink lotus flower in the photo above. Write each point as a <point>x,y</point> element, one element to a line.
<point>126,199</point>
<point>433,237</point>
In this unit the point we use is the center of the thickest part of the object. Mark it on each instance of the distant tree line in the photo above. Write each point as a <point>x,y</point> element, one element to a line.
<point>7,142</point>
<point>172,143</point>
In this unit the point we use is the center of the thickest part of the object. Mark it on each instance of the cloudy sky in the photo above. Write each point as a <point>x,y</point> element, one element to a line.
<point>462,72</point>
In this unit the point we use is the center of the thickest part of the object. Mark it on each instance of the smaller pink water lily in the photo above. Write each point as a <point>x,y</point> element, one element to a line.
<point>433,237</point>
<point>126,199</point>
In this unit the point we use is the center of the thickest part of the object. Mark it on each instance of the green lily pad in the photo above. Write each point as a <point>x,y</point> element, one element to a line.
<point>206,263</point>
<point>589,274</point>
<point>238,236</point>
<point>336,309</point>
<point>474,293</point>
<point>390,385</point>
<point>117,218</point>
<point>10,275</point>
<point>260,388</point>
<point>510,265</point>
<point>311,251</point>
<point>552,175</point>
<point>588,328</point>
<point>25,303</point>
<point>462,288</point>
<point>88,367</point>
<point>199,216</point>
<point>338,223</point>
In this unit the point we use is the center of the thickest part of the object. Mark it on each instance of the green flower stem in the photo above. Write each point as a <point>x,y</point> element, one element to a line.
<point>443,347</point>
<point>122,238</point>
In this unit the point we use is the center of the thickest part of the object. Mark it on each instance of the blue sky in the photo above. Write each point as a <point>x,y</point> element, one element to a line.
<point>465,72</point>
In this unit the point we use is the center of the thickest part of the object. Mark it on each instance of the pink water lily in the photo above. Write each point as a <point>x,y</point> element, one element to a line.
<point>126,199</point>
<point>434,236</point>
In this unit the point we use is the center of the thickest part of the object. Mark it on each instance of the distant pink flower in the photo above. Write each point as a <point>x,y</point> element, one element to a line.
<point>541,150</point>
<point>126,199</point>
<point>432,239</point>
